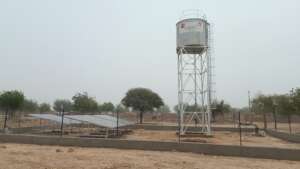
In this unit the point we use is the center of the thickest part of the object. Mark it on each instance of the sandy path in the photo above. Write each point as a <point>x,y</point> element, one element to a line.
<point>18,156</point>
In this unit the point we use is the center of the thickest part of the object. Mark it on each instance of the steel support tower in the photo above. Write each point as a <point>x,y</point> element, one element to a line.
<point>195,87</point>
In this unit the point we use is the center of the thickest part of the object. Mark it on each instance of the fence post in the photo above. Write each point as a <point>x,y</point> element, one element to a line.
<point>240,128</point>
<point>265,121</point>
<point>289,121</point>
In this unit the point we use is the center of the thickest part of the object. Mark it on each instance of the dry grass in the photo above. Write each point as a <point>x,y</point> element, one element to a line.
<point>18,156</point>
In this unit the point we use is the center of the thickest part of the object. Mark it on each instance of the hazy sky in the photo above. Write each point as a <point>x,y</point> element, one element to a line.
<point>54,48</point>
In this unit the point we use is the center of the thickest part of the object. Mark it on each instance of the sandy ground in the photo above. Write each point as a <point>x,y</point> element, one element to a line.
<point>18,156</point>
<point>227,138</point>
<point>283,127</point>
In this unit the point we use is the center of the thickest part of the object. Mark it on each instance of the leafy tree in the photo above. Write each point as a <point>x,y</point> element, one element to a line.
<point>164,109</point>
<point>284,105</point>
<point>62,102</point>
<point>30,106</point>
<point>11,101</point>
<point>295,98</point>
<point>44,107</point>
<point>263,103</point>
<point>220,107</point>
<point>188,108</point>
<point>83,103</point>
<point>121,108</point>
<point>106,107</point>
<point>142,100</point>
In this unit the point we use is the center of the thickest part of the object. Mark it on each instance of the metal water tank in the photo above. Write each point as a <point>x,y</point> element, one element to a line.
<point>192,35</point>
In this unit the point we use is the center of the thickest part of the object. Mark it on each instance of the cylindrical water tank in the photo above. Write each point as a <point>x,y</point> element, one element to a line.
<point>192,35</point>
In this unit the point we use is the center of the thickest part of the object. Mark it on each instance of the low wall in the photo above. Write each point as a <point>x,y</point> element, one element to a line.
<point>210,149</point>
<point>284,136</point>
<point>191,128</point>
<point>27,130</point>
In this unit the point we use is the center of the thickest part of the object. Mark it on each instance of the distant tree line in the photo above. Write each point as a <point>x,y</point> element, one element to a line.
<point>141,100</point>
<point>287,104</point>
<point>83,103</point>
<point>15,101</point>
<point>217,108</point>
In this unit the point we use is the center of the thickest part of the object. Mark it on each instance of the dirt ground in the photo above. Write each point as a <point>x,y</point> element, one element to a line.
<point>283,127</point>
<point>18,156</point>
<point>226,138</point>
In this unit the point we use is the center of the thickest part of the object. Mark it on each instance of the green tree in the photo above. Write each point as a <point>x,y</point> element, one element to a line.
<point>188,108</point>
<point>121,108</point>
<point>67,104</point>
<point>83,103</point>
<point>142,100</point>
<point>263,103</point>
<point>285,104</point>
<point>11,101</point>
<point>295,98</point>
<point>220,108</point>
<point>30,106</point>
<point>106,107</point>
<point>44,108</point>
<point>164,109</point>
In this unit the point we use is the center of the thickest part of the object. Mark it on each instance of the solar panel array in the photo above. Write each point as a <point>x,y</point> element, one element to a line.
<point>54,118</point>
<point>99,120</point>
<point>121,122</point>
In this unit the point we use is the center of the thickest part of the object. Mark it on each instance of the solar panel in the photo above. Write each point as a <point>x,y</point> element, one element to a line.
<point>54,118</point>
<point>100,120</point>
<point>122,122</point>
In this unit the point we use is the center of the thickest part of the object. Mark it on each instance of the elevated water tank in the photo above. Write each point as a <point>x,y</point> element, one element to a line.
<point>192,35</point>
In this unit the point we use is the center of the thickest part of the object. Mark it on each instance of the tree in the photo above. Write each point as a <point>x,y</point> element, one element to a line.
<point>121,108</point>
<point>188,108</point>
<point>30,106</point>
<point>67,104</point>
<point>44,107</point>
<point>11,101</point>
<point>285,104</point>
<point>142,100</point>
<point>164,109</point>
<point>296,99</point>
<point>83,103</point>
<point>106,107</point>
<point>286,107</point>
<point>220,107</point>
